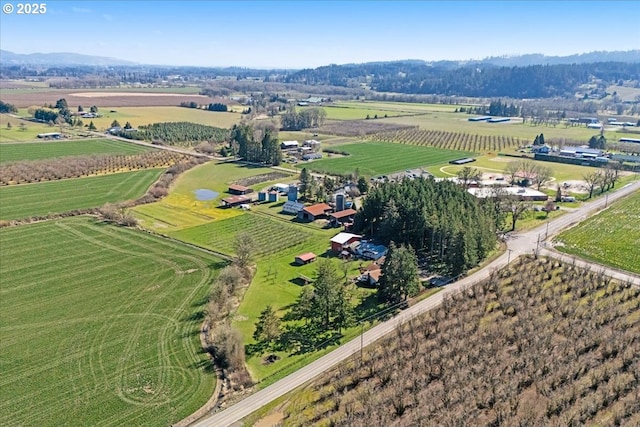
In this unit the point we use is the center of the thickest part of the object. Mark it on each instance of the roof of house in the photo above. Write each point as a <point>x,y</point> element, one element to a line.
<point>375,274</point>
<point>306,257</point>
<point>236,199</point>
<point>373,267</point>
<point>317,209</point>
<point>343,238</point>
<point>342,214</point>
<point>236,187</point>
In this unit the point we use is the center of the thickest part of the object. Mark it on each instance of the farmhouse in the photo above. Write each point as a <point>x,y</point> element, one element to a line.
<point>235,201</point>
<point>519,193</point>
<point>524,178</point>
<point>305,258</point>
<point>313,212</point>
<point>239,189</point>
<point>342,241</point>
<point>373,276</point>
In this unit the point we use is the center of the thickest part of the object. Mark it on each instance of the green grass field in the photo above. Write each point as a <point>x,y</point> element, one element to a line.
<point>99,326</point>
<point>375,158</point>
<point>278,241</point>
<point>612,237</point>
<point>15,133</point>
<point>47,150</point>
<point>26,200</point>
<point>356,112</point>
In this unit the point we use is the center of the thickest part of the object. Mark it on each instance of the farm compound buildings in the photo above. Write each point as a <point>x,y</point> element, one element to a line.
<point>313,212</point>
<point>343,217</point>
<point>230,201</point>
<point>519,193</point>
<point>342,241</point>
<point>239,190</point>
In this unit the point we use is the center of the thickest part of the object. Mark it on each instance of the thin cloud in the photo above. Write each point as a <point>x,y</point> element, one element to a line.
<point>107,17</point>
<point>80,10</point>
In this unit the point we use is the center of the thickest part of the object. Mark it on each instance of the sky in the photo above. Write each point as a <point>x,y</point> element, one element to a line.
<point>304,34</point>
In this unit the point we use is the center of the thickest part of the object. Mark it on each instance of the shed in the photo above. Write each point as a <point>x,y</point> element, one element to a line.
<point>292,207</point>
<point>305,258</point>
<point>313,212</point>
<point>342,241</point>
<point>235,201</point>
<point>343,216</point>
<point>286,145</point>
<point>282,188</point>
<point>239,189</point>
<point>273,196</point>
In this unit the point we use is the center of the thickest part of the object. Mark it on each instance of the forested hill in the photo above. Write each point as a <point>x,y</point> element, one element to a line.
<point>416,77</point>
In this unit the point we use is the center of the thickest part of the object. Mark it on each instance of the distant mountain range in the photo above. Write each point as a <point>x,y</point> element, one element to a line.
<point>70,59</point>
<point>60,58</point>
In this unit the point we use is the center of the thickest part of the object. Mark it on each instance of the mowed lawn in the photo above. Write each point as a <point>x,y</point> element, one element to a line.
<point>612,237</point>
<point>16,133</point>
<point>48,150</point>
<point>26,200</point>
<point>376,158</point>
<point>99,326</point>
<point>278,240</point>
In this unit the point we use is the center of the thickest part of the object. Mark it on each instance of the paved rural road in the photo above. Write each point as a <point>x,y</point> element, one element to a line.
<point>520,244</point>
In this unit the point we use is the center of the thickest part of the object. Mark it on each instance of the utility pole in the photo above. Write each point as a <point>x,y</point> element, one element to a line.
<point>546,234</point>
<point>538,246</point>
<point>509,256</point>
<point>606,200</point>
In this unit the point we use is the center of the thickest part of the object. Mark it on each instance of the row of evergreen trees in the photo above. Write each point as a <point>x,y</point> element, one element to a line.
<point>172,133</point>
<point>438,219</point>
<point>306,118</point>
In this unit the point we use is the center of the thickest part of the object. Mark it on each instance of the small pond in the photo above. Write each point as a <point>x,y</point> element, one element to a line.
<point>204,194</point>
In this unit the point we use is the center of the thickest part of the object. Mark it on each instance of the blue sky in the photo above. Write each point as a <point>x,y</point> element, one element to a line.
<point>298,34</point>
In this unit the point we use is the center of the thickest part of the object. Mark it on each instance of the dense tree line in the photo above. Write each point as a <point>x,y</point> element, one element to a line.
<point>177,133</point>
<point>7,108</point>
<point>256,144</point>
<point>416,77</point>
<point>293,119</point>
<point>495,108</point>
<point>439,219</point>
